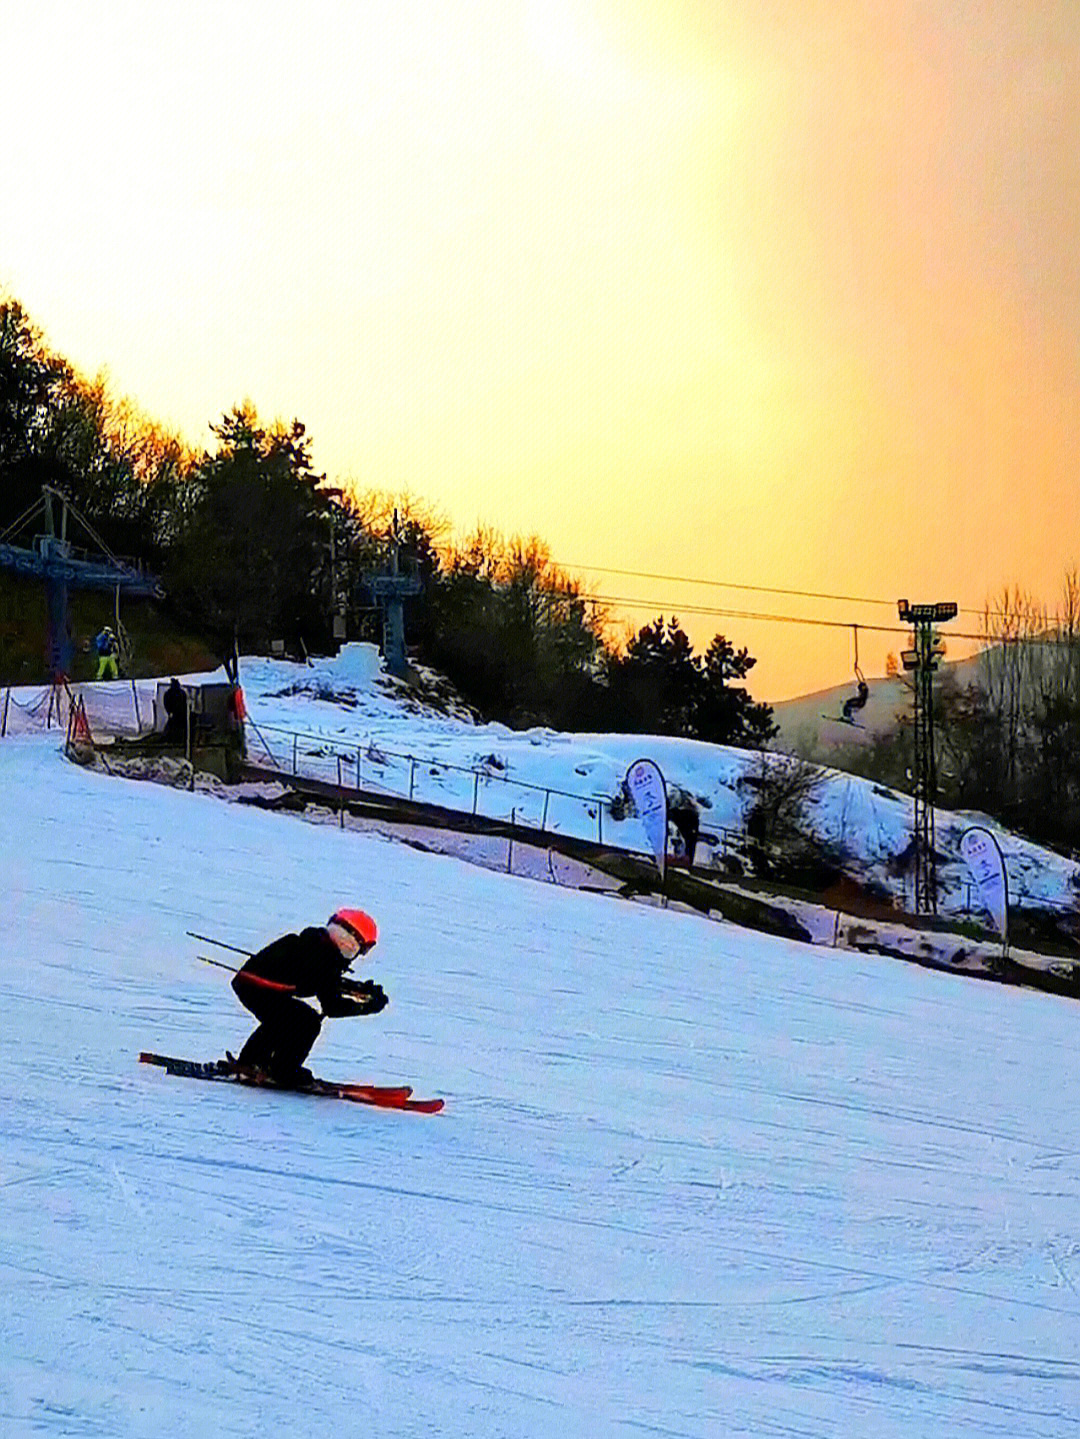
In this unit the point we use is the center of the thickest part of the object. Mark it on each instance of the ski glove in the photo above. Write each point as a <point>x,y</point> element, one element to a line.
<point>356,997</point>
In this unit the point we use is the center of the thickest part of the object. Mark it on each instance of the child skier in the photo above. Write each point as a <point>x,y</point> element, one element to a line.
<point>274,982</point>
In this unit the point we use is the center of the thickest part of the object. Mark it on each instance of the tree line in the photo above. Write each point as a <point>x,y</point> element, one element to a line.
<point>252,545</point>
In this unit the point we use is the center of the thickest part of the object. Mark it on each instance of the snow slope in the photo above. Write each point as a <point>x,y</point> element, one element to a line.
<point>346,710</point>
<point>690,1181</point>
<point>347,701</point>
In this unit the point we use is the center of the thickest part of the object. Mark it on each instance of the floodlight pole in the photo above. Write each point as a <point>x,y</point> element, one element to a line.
<point>923,658</point>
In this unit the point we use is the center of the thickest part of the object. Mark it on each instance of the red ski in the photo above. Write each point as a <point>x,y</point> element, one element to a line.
<point>382,1096</point>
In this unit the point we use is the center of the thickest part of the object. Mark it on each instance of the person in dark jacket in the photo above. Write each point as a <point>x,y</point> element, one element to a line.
<point>857,701</point>
<point>175,703</point>
<point>312,964</point>
<point>683,814</point>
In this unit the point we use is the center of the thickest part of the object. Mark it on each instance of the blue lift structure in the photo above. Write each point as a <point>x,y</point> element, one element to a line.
<point>390,591</point>
<point>52,559</point>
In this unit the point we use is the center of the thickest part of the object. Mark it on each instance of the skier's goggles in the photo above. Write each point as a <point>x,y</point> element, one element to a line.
<point>349,943</point>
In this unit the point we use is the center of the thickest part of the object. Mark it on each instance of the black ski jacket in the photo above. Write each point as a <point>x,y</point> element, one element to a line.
<point>301,965</point>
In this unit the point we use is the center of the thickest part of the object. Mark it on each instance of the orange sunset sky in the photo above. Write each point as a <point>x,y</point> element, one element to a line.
<point>777,293</point>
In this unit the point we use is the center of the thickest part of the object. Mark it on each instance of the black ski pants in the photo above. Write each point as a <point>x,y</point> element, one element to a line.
<point>287,1029</point>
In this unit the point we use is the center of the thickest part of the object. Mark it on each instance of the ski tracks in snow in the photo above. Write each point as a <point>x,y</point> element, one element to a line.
<point>689,1182</point>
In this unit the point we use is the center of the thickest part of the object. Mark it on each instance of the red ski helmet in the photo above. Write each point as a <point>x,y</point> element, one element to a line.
<point>352,927</point>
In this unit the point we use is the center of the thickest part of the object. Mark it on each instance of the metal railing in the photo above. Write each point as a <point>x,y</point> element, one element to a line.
<point>367,766</point>
<point>1018,894</point>
<point>477,790</point>
<point>480,791</point>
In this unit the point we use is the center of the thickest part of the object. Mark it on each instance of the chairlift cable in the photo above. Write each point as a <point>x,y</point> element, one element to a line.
<point>658,607</point>
<point>725,585</point>
<point>988,611</point>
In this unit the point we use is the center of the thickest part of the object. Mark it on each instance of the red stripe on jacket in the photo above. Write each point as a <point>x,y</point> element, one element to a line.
<point>266,983</point>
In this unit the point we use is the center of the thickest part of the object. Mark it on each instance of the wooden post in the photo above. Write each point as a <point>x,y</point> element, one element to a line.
<point>7,701</point>
<point>341,796</point>
<point>138,717</point>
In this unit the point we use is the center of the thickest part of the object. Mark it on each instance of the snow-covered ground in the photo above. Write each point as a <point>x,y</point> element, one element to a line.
<point>343,720</point>
<point>689,1181</point>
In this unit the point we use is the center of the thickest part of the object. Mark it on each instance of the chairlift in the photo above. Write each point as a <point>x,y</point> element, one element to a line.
<point>857,701</point>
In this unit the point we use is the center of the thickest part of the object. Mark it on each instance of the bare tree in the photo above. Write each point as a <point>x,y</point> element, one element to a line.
<point>1008,670</point>
<point>786,786</point>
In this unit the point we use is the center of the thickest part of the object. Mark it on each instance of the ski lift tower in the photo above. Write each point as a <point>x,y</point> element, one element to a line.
<point>52,559</point>
<point>389,591</point>
<point>922,658</point>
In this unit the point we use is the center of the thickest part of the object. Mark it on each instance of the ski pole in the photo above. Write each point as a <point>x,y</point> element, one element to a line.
<point>219,963</point>
<point>220,943</point>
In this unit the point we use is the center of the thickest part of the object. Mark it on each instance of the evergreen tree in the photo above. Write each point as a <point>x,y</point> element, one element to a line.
<point>659,686</point>
<point>33,386</point>
<point>655,686</point>
<point>252,554</point>
<point>725,713</point>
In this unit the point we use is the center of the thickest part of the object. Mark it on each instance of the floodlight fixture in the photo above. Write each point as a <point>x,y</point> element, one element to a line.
<point>927,614</point>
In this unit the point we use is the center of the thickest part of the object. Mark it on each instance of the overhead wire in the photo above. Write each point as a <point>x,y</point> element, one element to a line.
<point>660,607</point>
<point>724,613</point>
<point>726,585</point>
<point>985,611</point>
